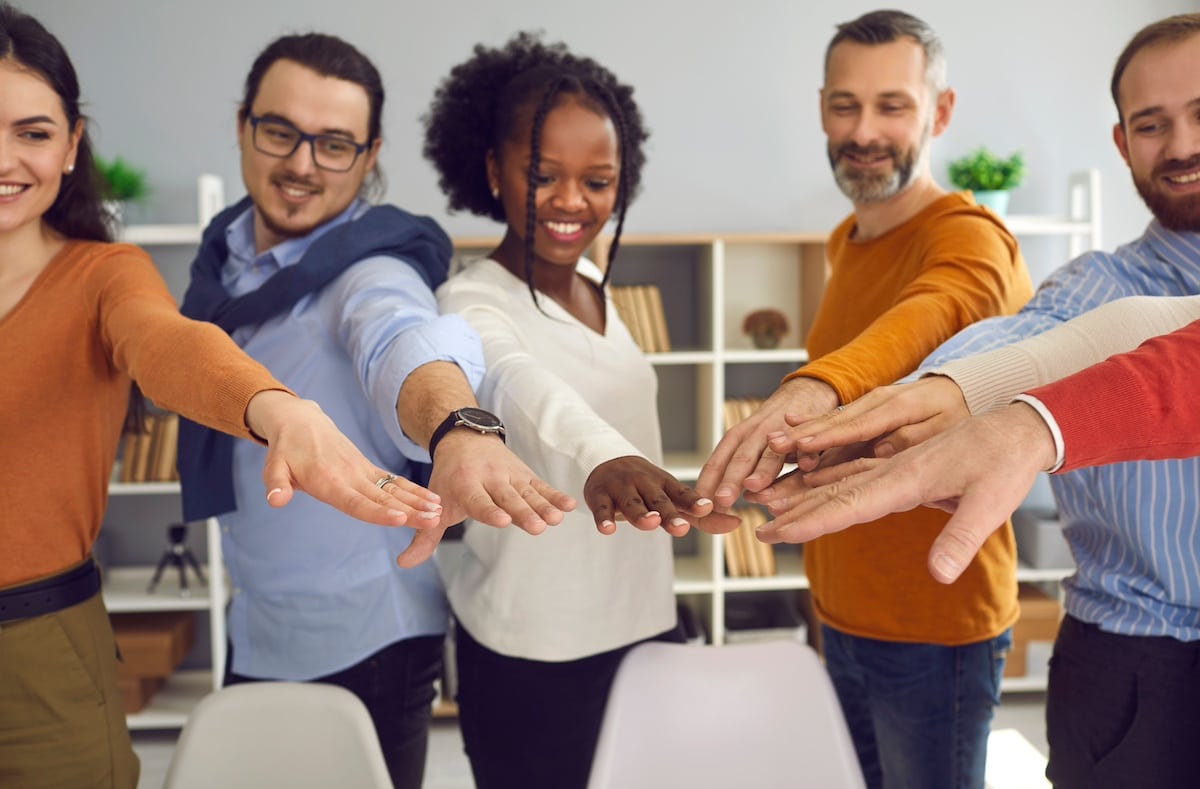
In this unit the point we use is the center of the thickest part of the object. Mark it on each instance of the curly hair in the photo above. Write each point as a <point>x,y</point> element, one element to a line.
<point>484,101</point>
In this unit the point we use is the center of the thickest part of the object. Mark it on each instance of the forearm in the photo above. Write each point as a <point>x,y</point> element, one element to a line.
<point>428,395</point>
<point>990,380</point>
<point>1134,406</point>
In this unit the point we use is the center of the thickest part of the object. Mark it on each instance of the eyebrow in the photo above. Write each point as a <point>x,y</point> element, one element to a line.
<point>890,94</point>
<point>1159,109</point>
<point>35,119</point>
<point>329,132</point>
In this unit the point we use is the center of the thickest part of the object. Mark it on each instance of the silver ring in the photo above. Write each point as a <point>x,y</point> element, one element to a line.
<point>385,479</point>
<point>840,408</point>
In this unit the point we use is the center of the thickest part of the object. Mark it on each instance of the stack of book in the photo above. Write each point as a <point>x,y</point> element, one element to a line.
<point>149,456</point>
<point>641,310</point>
<point>740,408</point>
<point>745,555</point>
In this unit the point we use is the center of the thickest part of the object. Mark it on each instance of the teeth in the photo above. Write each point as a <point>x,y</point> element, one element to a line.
<point>8,190</point>
<point>294,192</point>
<point>565,228</point>
<point>1190,178</point>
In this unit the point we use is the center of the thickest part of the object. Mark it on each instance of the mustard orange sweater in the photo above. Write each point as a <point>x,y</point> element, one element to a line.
<point>888,303</point>
<point>97,315</point>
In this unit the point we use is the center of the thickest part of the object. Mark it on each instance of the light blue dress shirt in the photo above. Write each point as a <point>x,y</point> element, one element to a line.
<point>315,591</point>
<point>1134,528</point>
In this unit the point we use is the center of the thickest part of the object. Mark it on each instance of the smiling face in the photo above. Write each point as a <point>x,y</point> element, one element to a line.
<point>577,184</point>
<point>292,196</point>
<point>37,146</point>
<point>1159,96</point>
<point>878,112</point>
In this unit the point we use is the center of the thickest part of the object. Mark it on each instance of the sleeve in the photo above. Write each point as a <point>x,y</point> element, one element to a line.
<point>990,380</point>
<point>548,425</point>
<point>191,367</point>
<point>1085,283</point>
<point>969,272</point>
<point>387,319</point>
<point>1134,406</point>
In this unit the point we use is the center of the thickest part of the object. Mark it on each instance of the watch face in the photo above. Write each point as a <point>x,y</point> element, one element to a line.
<point>478,418</point>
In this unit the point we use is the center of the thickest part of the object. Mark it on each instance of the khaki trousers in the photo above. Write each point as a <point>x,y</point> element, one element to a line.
<point>61,722</point>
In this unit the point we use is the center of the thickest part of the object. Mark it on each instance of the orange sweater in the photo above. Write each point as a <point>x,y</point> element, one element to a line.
<point>96,316</point>
<point>889,303</point>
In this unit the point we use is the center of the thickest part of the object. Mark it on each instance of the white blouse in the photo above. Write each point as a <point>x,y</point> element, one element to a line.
<point>570,399</point>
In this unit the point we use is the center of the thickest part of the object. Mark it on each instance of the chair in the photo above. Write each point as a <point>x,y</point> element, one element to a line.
<point>267,734</point>
<point>757,714</point>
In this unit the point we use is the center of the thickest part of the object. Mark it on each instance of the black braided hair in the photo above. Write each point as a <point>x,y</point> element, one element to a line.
<point>483,102</point>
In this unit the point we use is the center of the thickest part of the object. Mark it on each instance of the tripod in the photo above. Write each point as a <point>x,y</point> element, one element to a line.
<point>179,555</point>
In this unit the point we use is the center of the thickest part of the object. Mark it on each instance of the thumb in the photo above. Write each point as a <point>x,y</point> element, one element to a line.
<point>277,480</point>
<point>422,546</point>
<point>965,532</point>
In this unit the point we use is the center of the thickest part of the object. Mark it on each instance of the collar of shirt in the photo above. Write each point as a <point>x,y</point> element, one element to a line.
<point>245,271</point>
<point>1178,248</point>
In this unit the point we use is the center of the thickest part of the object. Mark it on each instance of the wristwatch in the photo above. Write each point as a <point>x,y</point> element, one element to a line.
<point>474,418</point>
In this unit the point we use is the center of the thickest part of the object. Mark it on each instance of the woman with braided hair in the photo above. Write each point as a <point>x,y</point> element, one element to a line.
<point>550,143</point>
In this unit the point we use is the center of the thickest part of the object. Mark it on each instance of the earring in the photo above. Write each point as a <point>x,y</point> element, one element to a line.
<point>495,193</point>
<point>70,169</point>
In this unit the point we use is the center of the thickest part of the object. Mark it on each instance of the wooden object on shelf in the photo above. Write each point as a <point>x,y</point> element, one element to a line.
<point>149,456</point>
<point>136,692</point>
<point>1040,615</point>
<point>745,554</point>
<point>739,408</point>
<point>641,310</point>
<point>153,643</point>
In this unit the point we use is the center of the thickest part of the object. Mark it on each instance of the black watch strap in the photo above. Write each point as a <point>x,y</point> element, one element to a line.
<point>471,418</point>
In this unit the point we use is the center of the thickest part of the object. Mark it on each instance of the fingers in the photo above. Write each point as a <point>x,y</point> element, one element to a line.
<point>423,544</point>
<point>724,474</point>
<point>871,415</point>
<point>961,539</point>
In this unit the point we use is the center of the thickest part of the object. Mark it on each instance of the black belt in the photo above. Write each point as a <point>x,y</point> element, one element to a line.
<point>50,594</point>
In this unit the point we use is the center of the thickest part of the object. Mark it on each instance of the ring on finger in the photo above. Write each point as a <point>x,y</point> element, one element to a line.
<point>385,479</point>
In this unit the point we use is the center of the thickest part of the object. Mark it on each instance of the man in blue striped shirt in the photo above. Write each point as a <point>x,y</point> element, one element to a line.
<point>1123,705</point>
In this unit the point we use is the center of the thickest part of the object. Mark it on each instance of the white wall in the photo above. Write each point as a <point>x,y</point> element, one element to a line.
<point>729,90</point>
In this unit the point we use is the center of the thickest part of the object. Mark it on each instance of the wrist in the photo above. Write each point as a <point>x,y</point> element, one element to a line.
<point>266,412</point>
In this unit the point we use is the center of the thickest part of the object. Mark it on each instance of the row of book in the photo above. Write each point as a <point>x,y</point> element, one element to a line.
<point>641,310</point>
<point>739,408</point>
<point>149,456</point>
<point>745,555</point>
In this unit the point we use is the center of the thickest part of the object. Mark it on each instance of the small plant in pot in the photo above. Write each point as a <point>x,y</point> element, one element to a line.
<point>989,177</point>
<point>120,184</point>
<point>766,327</point>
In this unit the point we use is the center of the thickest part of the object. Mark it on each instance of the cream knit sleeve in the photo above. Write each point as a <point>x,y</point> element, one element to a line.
<point>990,380</point>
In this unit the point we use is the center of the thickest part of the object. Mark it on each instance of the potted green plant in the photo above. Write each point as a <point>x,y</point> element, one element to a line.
<point>120,184</point>
<point>989,177</point>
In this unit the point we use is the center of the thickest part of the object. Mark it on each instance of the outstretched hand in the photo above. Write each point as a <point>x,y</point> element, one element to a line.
<point>478,477</point>
<point>981,470</point>
<point>634,489</point>
<point>743,460</point>
<point>306,452</point>
<point>891,418</point>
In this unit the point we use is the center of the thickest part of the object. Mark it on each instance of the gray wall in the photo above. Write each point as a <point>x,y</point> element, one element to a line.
<point>728,88</point>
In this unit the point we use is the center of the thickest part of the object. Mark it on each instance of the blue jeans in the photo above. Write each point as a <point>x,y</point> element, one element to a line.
<point>919,714</point>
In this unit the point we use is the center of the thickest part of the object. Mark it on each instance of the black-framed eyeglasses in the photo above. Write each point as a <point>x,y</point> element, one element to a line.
<point>280,139</point>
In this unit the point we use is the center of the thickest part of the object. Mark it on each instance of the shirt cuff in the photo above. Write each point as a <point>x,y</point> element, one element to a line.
<point>1060,448</point>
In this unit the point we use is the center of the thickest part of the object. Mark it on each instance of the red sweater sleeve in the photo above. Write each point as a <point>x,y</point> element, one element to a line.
<point>1134,406</point>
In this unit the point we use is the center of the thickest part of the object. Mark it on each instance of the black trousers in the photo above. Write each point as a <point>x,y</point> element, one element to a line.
<point>396,685</point>
<point>531,724</point>
<point>1122,711</point>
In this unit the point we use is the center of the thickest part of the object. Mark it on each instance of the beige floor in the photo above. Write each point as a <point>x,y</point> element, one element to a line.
<point>447,766</point>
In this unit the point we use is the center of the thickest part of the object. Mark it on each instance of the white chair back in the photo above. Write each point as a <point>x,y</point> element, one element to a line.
<point>757,714</point>
<point>267,734</point>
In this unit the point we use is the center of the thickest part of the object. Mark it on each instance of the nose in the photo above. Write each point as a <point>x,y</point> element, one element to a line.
<point>568,195</point>
<point>1183,141</point>
<point>866,129</point>
<point>303,160</point>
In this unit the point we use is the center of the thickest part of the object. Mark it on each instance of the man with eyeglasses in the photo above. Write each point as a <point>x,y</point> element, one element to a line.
<point>335,297</point>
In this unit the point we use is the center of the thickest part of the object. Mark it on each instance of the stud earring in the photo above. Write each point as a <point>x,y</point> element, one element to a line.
<point>495,193</point>
<point>70,169</point>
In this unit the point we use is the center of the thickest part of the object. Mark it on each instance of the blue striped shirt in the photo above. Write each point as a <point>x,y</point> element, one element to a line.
<point>1134,528</point>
